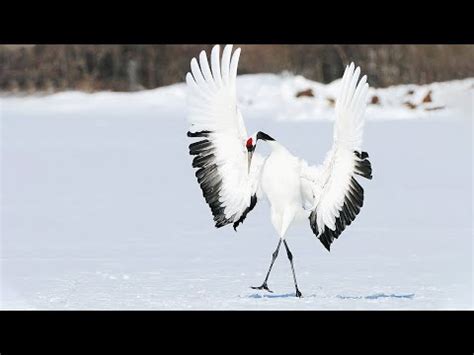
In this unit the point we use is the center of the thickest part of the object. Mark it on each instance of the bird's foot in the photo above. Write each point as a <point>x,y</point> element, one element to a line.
<point>299,294</point>
<point>263,287</point>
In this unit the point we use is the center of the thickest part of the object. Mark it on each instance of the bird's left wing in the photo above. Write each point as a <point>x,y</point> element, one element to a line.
<point>220,156</point>
<point>331,189</point>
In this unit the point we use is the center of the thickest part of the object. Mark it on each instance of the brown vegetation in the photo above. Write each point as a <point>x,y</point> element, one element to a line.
<point>331,101</point>
<point>427,98</point>
<point>305,93</point>
<point>135,67</point>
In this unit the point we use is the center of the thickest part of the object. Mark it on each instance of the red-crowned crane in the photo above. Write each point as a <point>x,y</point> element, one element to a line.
<point>233,177</point>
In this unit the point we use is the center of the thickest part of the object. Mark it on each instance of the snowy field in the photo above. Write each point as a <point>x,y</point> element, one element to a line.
<point>100,208</point>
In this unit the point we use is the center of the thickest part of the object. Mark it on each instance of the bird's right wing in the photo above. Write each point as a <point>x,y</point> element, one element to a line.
<point>331,189</point>
<point>221,157</point>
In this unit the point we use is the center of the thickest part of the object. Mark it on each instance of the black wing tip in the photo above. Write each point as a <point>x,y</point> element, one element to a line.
<point>361,154</point>
<point>210,180</point>
<point>253,202</point>
<point>353,201</point>
<point>323,237</point>
<point>208,176</point>
<point>326,243</point>
<point>198,134</point>
<point>363,166</point>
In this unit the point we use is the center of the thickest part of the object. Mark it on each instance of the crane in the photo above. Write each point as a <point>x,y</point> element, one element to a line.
<point>233,176</point>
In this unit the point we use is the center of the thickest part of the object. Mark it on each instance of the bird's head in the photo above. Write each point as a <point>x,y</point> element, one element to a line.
<point>251,144</point>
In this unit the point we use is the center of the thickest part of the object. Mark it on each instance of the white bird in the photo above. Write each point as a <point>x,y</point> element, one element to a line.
<point>233,177</point>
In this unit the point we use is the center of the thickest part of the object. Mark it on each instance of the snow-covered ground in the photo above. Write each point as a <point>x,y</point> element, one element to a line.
<point>100,208</point>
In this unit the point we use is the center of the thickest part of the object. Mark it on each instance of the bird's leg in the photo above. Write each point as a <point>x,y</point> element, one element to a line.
<point>274,256</point>
<point>290,257</point>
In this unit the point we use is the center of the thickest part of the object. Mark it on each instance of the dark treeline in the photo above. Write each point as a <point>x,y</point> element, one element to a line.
<point>135,67</point>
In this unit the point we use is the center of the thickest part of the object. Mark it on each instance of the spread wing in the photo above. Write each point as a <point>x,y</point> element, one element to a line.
<point>220,155</point>
<point>331,189</point>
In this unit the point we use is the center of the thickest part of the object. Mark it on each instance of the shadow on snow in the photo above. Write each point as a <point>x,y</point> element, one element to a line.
<point>369,297</point>
<point>377,296</point>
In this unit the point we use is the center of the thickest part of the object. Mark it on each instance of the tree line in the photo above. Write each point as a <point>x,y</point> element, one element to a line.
<point>134,67</point>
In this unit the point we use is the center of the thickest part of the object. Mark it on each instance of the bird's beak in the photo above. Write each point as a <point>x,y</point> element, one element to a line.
<point>250,154</point>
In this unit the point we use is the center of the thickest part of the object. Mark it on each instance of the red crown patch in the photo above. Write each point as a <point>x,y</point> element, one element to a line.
<point>249,142</point>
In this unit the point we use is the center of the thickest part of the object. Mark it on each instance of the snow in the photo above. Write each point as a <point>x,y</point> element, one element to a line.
<point>101,210</point>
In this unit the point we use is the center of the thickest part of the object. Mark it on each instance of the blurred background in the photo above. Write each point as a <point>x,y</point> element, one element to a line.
<point>52,68</point>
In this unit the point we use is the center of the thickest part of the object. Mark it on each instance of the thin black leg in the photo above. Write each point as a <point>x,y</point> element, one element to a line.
<point>290,257</point>
<point>274,256</point>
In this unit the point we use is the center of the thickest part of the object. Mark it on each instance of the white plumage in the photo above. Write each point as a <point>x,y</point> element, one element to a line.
<point>233,177</point>
<point>213,110</point>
